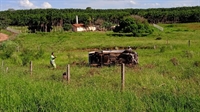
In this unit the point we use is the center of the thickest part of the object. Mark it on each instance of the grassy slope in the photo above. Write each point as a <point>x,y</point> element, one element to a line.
<point>154,85</point>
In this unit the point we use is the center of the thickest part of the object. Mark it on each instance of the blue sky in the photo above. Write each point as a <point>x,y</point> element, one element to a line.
<point>94,4</point>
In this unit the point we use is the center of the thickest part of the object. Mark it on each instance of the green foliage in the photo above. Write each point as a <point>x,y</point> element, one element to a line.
<point>8,48</point>
<point>39,54</point>
<point>67,27</point>
<point>162,49</point>
<point>88,8</point>
<point>4,22</point>
<point>164,101</point>
<point>163,81</point>
<point>28,55</point>
<point>136,26</point>
<point>188,54</point>
<point>107,25</point>
<point>36,17</point>
<point>16,59</point>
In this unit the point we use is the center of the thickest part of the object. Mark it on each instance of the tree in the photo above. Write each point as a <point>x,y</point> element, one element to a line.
<point>107,25</point>
<point>99,23</point>
<point>88,8</point>
<point>4,22</point>
<point>134,24</point>
<point>44,19</point>
<point>67,27</point>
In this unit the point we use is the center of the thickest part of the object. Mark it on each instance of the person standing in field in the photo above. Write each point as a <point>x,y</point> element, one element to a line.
<point>52,60</point>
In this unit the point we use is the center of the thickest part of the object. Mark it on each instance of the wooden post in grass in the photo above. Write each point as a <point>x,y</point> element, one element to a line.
<point>6,69</point>
<point>189,43</point>
<point>122,77</point>
<point>68,73</point>
<point>31,67</point>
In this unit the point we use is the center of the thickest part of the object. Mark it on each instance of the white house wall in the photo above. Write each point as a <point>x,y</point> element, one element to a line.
<point>81,29</point>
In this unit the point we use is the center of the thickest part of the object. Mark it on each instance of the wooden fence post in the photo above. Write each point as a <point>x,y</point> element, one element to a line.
<point>122,77</point>
<point>6,69</point>
<point>154,46</point>
<point>31,67</point>
<point>68,73</point>
<point>189,43</point>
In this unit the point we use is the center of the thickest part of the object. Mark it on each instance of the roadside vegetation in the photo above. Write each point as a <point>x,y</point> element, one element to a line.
<point>166,79</point>
<point>44,19</point>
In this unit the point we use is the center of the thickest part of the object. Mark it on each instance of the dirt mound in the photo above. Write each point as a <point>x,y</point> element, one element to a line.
<point>3,37</point>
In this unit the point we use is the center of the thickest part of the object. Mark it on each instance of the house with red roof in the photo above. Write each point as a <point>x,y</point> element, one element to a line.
<point>78,27</point>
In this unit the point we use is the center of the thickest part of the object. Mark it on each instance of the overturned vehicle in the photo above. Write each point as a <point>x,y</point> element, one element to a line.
<point>113,57</point>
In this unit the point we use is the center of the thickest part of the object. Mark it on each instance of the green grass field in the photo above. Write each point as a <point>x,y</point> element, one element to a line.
<point>166,79</point>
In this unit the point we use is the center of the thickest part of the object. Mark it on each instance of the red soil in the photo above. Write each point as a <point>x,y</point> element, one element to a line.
<point>3,37</point>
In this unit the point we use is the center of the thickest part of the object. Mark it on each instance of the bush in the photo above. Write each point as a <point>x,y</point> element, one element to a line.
<point>26,56</point>
<point>67,27</point>
<point>8,47</point>
<point>15,58</point>
<point>136,25</point>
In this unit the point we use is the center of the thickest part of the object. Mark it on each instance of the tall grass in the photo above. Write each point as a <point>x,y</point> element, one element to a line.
<point>166,79</point>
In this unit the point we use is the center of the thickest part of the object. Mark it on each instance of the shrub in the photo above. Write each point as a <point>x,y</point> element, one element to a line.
<point>15,58</point>
<point>138,26</point>
<point>8,48</point>
<point>26,56</point>
<point>67,27</point>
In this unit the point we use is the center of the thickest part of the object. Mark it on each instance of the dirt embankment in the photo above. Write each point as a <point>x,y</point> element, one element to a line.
<point>14,32</point>
<point>3,37</point>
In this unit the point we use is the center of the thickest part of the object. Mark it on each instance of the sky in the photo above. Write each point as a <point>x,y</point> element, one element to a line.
<point>94,4</point>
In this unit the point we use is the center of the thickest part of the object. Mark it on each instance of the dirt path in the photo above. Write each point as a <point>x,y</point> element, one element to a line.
<point>3,37</point>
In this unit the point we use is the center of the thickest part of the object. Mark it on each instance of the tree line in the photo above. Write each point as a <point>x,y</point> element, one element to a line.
<point>44,19</point>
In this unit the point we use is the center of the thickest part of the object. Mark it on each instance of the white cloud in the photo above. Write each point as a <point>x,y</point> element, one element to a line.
<point>26,4</point>
<point>156,4</point>
<point>30,5</point>
<point>46,5</point>
<point>133,2</point>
